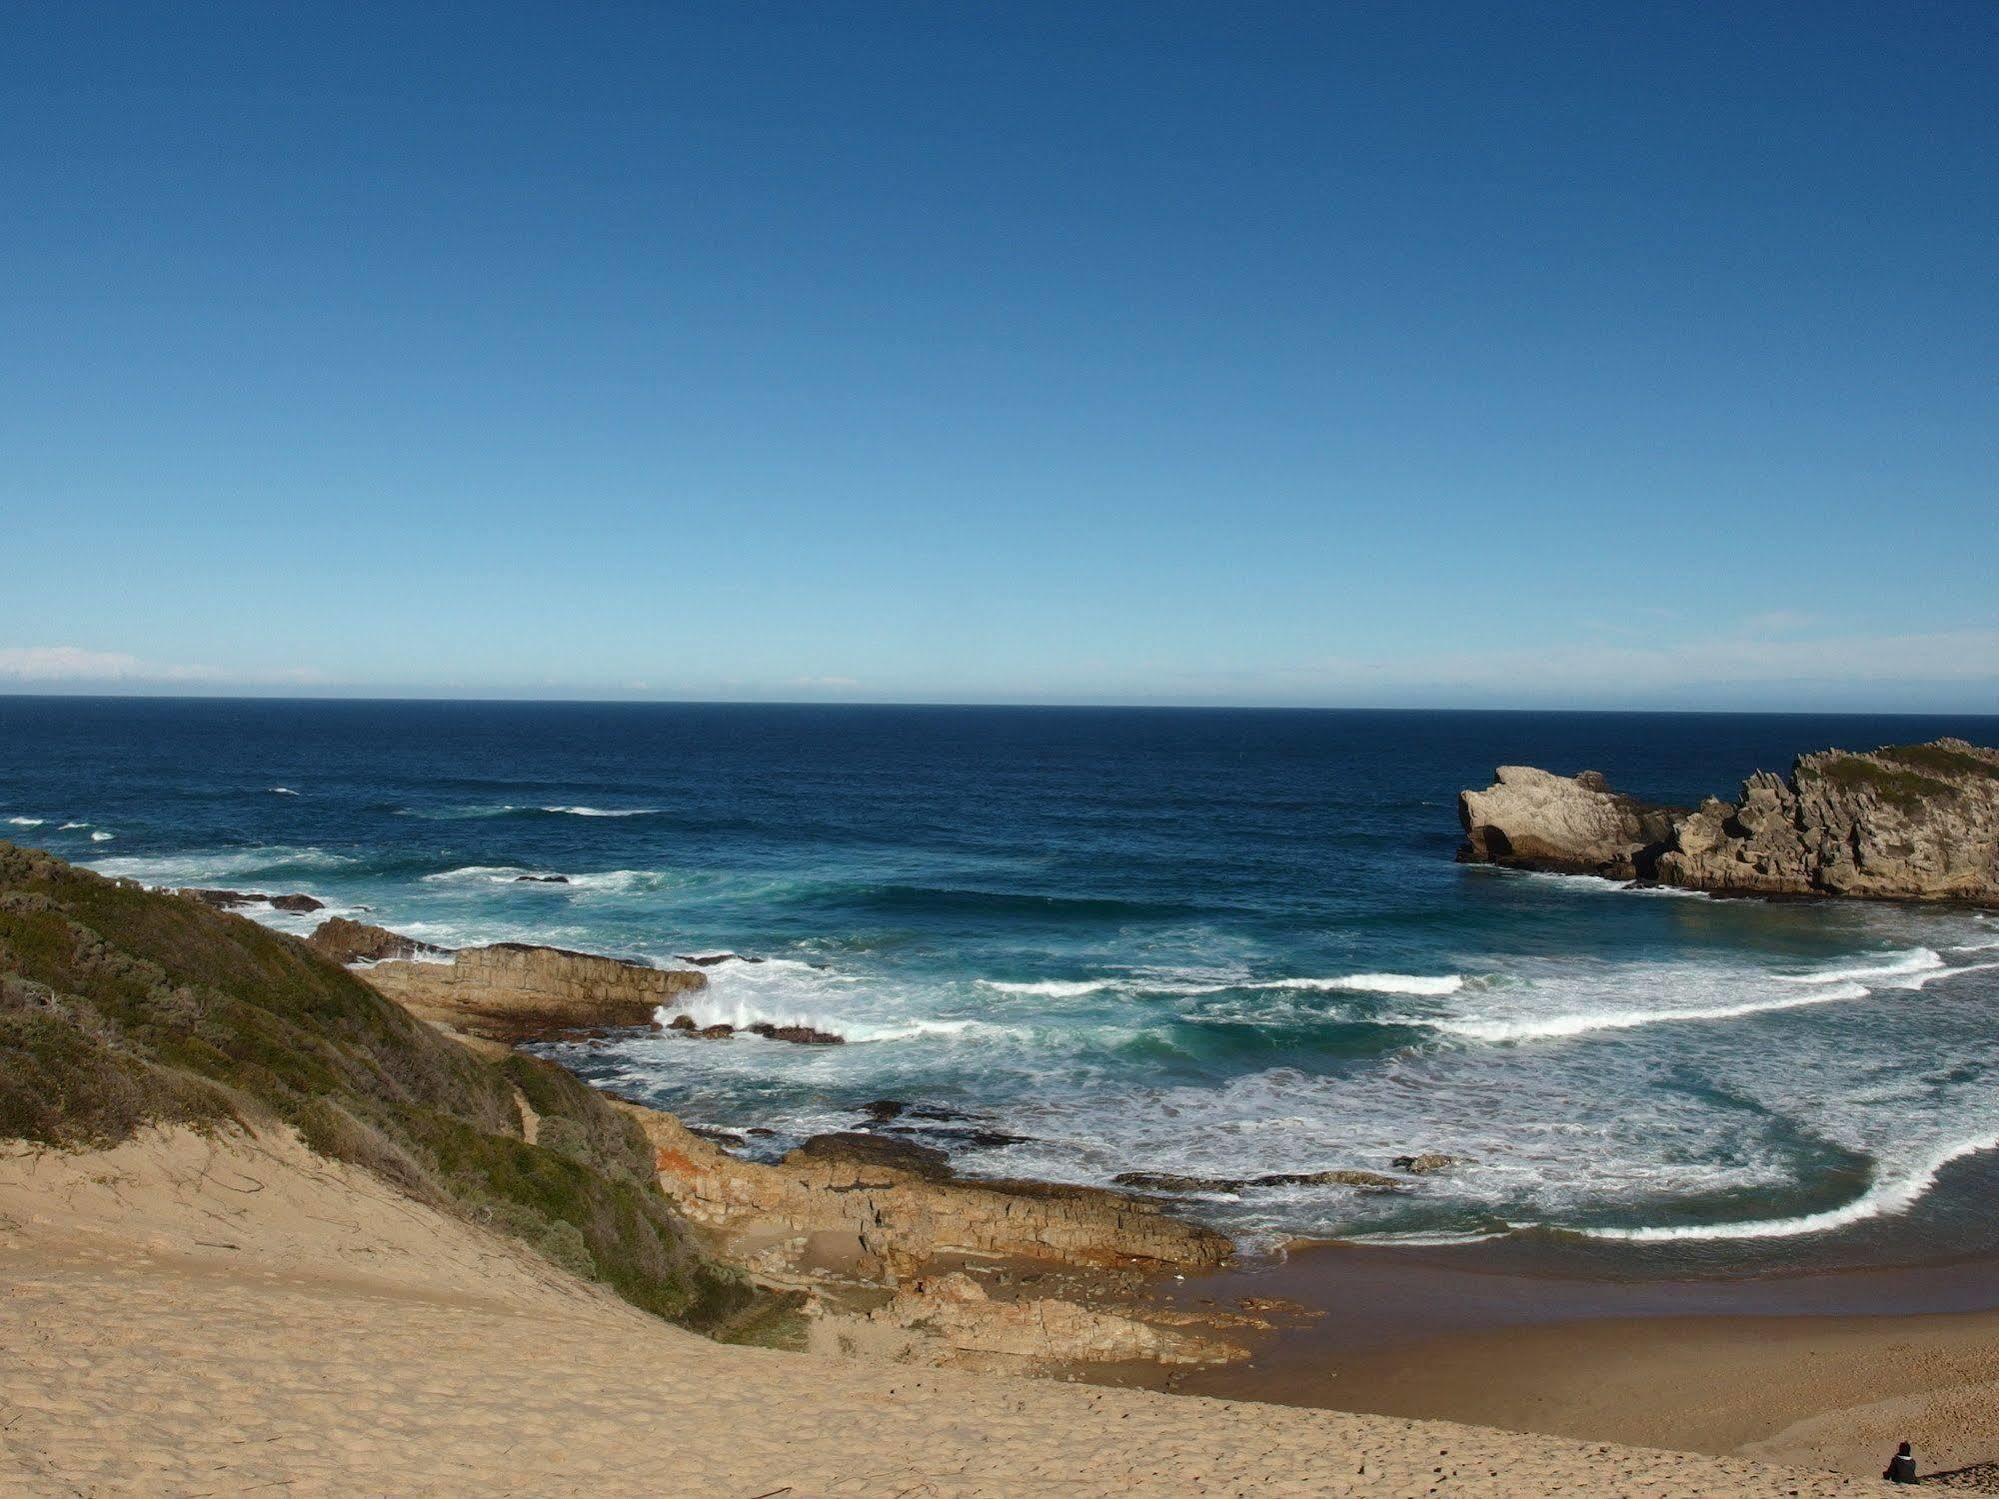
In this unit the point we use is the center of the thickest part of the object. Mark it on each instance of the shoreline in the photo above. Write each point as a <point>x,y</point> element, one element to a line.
<point>1534,1335</point>
<point>1824,1368</point>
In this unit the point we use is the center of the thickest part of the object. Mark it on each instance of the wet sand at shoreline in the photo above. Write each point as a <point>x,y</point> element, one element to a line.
<point>1826,1369</point>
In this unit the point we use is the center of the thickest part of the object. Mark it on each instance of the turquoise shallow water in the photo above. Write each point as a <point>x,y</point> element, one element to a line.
<point>1215,943</point>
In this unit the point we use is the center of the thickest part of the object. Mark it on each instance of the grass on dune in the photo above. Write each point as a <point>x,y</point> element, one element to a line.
<point>121,1007</point>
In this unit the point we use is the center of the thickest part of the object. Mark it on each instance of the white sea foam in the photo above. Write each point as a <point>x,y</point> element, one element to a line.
<point>1374,983</point>
<point>201,867</point>
<point>282,791</point>
<point>1896,965</point>
<point>1542,1027</point>
<point>102,837</point>
<point>1355,983</point>
<point>69,826</point>
<point>456,814</point>
<point>27,822</point>
<point>620,880</point>
<point>1936,975</point>
<point>604,811</point>
<point>1596,884</point>
<point>495,874</point>
<point>1894,1195</point>
<point>1054,988</point>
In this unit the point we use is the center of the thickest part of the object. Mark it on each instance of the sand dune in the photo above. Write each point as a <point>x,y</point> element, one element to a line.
<point>185,1316</point>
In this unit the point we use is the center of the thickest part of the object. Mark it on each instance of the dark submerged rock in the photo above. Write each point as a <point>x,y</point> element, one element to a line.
<point>854,1148</point>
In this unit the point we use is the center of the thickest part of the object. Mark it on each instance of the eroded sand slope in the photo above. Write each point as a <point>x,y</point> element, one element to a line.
<point>189,1317</point>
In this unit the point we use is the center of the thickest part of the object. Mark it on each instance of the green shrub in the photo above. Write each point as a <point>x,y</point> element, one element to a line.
<point>1902,788</point>
<point>1940,760</point>
<point>121,1007</point>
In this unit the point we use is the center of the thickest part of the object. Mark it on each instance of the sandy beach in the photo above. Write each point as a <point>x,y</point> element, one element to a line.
<point>186,1315</point>
<point>1825,1370</point>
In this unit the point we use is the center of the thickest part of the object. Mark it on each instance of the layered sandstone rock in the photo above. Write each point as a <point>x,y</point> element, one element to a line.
<point>887,1209</point>
<point>1905,822</point>
<point>510,991</point>
<point>1531,819</point>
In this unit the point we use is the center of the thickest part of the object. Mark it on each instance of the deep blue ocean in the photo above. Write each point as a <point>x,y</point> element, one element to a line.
<point>1209,942</point>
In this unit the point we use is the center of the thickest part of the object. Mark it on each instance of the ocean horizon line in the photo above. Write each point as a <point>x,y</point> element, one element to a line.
<point>1002,705</point>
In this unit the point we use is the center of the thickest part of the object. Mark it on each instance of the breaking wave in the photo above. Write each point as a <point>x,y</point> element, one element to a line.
<point>198,867</point>
<point>1895,1195</point>
<point>1544,1027</point>
<point>1374,983</point>
<point>1898,965</point>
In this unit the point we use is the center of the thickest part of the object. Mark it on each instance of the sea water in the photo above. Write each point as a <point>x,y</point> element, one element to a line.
<point>1219,943</point>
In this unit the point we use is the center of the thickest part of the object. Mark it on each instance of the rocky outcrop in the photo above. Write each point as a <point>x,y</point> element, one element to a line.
<point>798,1035</point>
<point>230,900</point>
<point>1907,822</point>
<point>1429,1163</point>
<point>513,992</point>
<point>886,1209</point>
<point>347,942</point>
<point>1904,822</point>
<point>1532,819</point>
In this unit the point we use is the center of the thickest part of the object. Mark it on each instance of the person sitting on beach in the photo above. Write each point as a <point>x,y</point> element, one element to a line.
<point>1902,1466</point>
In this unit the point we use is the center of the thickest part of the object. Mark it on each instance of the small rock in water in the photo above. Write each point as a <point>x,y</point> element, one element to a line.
<point>1426,1163</point>
<point>800,1035</point>
<point>229,900</point>
<point>541,879</point>
<point>854,1148</point>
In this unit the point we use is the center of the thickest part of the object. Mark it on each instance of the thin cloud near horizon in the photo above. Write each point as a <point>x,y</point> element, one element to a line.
<point>1764,651</point>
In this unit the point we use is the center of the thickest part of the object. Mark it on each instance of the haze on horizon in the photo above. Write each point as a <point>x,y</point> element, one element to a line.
<point>1535,355</point>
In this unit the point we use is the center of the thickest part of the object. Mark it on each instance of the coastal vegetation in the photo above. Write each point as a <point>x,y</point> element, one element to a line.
<point>121,1007</point>
<point>1902,788</point>
<point>1902,822</point>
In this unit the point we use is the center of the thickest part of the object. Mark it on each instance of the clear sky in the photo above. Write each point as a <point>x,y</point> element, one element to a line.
<point>1468,354</point>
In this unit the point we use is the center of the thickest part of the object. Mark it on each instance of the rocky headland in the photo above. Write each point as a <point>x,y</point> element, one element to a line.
<point>1903,822</point>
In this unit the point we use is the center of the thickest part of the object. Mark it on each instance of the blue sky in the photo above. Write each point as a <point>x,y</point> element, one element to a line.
<point>1456,354</point>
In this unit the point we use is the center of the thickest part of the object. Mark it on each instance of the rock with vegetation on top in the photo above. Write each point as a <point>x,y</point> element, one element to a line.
<point>1907,822</point>
<point>1904,822</point>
